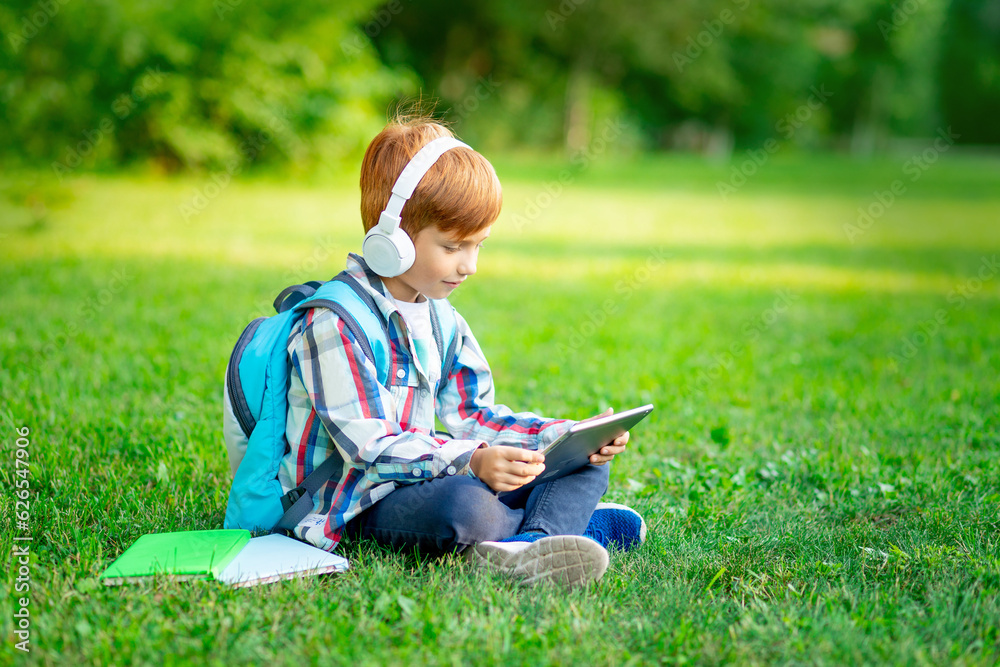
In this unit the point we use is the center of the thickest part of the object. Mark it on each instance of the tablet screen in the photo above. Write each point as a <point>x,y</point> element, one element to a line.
<point>574,448</point>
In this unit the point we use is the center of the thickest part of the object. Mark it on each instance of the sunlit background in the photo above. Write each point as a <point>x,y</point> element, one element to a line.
<point>304,86</point>
<point>777,220</point>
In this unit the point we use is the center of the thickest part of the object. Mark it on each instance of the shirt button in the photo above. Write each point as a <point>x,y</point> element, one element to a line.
<point>400,373</point>
<point>418,472</point>
<point>451,470</point>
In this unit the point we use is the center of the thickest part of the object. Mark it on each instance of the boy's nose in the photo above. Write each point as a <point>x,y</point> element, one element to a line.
<point>467,267</point>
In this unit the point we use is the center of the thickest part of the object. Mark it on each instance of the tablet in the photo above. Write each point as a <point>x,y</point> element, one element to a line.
<point>572,450</point>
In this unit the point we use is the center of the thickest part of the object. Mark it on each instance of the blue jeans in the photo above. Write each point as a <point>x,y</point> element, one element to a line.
<point>447,514</point>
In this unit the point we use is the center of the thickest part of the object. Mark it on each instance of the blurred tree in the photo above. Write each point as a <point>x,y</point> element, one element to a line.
<point>884,80</point>
<point>506,72</point>
<point>702,75</point>
<point>216,85</point>
<point>228,83</point>
<point>970,70</point>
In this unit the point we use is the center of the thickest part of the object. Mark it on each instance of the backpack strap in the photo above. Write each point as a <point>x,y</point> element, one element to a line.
<point>298,502</point>
<point>292,295</point>
<point>451,357</point>
<point>360,314</point>
<point>445,328</point>
<point>373,278</point>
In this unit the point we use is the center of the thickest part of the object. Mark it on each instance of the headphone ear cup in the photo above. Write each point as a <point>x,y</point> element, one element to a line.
<point>388,255</point>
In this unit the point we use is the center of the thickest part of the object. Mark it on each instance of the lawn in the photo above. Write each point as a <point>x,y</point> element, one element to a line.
<point>821,475</point>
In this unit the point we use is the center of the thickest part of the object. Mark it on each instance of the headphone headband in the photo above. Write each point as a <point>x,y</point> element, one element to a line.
<point>387,248</point>
<point>411,175</point>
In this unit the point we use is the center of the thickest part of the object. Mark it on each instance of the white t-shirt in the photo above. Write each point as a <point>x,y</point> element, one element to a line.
<point>418,323</point>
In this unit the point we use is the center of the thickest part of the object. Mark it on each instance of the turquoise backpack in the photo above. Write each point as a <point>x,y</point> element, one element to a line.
<point>256,396</point>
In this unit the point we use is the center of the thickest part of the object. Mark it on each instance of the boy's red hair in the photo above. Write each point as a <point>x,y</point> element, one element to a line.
<point>460,193</point>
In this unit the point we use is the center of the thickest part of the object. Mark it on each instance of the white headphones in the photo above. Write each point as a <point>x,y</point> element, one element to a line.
<point>387,249</point>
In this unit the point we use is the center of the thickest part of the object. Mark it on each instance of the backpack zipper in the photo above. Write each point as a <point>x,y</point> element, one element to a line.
<point>233,385</point>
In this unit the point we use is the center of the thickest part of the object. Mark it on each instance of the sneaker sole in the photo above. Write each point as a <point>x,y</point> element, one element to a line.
<point>568,560</point>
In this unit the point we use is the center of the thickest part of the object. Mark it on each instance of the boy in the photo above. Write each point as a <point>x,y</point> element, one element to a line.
<point>398,481</point>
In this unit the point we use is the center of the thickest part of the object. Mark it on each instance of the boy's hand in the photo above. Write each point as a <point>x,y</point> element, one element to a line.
<point>613,448</point>
<point>506,468</point>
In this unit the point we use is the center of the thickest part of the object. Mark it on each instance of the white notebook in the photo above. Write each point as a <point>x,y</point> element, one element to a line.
<point>275,557</point>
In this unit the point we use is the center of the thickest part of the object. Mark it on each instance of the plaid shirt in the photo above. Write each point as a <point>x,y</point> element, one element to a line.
<point>384,435</point>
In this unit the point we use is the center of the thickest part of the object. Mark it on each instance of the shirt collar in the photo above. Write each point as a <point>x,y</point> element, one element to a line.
<point>358,269</point>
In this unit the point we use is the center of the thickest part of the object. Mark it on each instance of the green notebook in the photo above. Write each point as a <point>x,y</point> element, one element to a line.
<point>193,554</point>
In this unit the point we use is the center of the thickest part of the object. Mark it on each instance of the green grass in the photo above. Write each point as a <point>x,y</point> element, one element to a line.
<point>821,475</point>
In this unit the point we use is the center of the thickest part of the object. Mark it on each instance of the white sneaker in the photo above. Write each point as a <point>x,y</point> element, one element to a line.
<point>569,560</point>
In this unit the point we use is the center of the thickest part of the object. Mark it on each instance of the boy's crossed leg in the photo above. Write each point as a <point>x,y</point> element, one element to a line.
<point>437,516</point>
<point>533,535</point>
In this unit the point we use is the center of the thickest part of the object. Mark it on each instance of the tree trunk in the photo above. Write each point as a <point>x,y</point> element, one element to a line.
<point>870,123</point>
<point>577,125</point>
